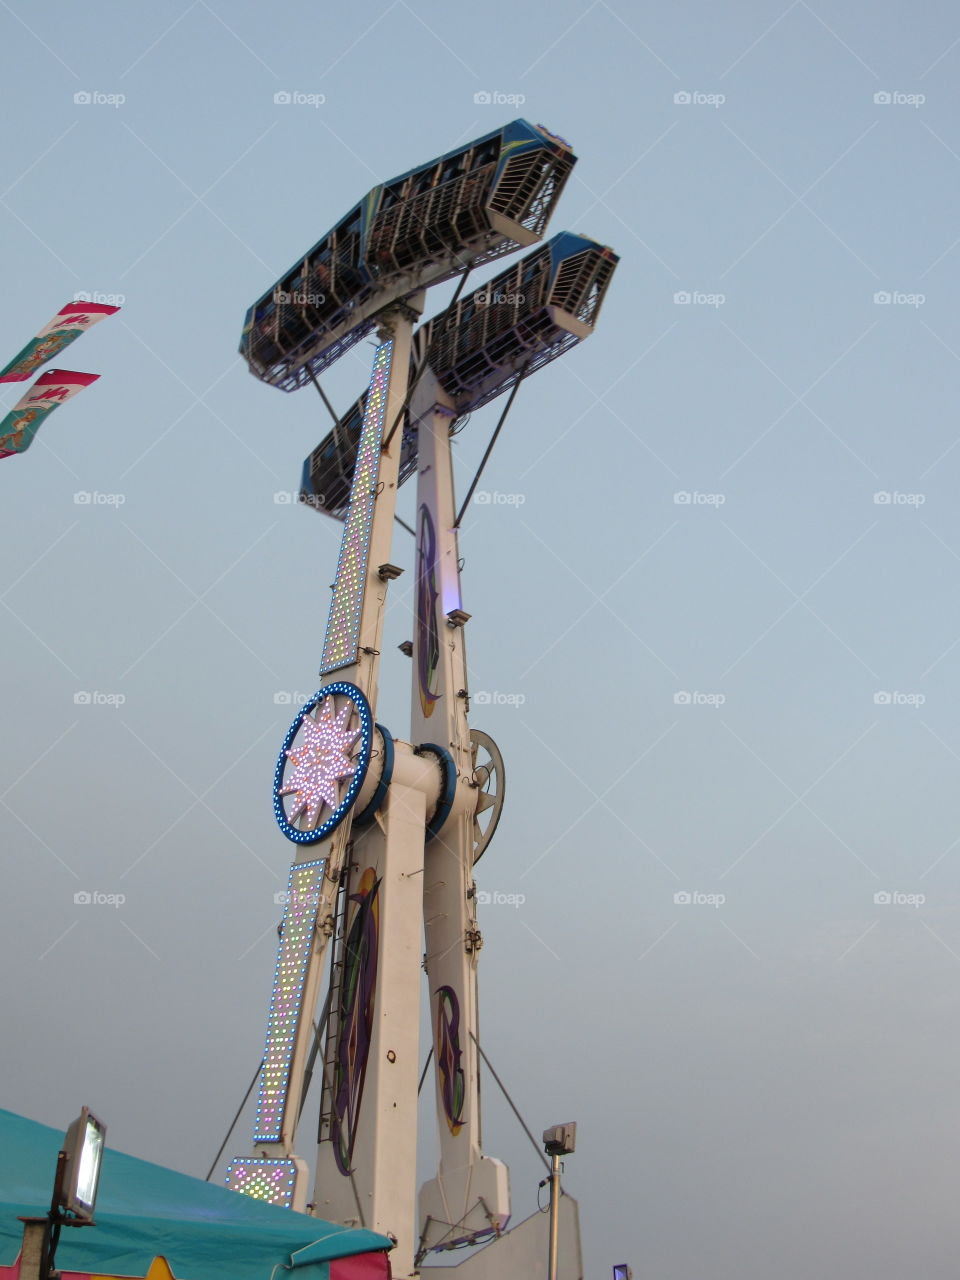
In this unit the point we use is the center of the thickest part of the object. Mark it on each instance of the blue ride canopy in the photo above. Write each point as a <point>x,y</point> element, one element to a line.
<point>204,1231</point>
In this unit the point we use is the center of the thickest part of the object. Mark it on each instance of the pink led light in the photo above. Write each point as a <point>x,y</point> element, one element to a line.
<point>320,762</point>
<point>264,1179</point>
<point>296,940</point>
<point>343,624</point>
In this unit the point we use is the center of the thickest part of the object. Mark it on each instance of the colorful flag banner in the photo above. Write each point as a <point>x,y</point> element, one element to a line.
<point>67,325</point>
<point>51,389</point>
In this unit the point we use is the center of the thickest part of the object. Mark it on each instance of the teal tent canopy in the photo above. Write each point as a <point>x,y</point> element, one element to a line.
<point>205,1232</point>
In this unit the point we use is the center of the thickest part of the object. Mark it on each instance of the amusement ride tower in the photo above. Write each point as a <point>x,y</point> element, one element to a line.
<point>387,830</point>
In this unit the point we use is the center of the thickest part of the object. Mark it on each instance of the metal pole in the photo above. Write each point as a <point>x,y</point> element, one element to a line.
<point>33,1250</point>
<point>489,448</point>
<point>554,1216</point>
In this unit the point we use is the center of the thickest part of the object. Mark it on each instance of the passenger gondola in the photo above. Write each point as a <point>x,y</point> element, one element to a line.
<point>478,348</point>
<point>467,207</point>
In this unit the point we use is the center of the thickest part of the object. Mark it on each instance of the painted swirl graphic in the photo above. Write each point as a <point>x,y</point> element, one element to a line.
<point>355,1017</point>
<point>428,636</point>
<point>447,1042</point>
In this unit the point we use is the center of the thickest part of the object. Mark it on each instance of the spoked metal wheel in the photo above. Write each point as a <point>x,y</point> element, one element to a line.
<point>488,774</point>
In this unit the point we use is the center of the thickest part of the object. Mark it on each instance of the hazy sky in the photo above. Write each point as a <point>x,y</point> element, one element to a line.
<point>748,699</point>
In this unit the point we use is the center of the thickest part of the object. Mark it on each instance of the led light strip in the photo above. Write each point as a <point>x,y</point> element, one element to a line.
<point>341,642</point>
<point>272,1180</point>
<point>293,954</point>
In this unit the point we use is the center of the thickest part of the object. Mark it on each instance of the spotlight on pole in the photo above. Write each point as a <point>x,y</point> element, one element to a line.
<point>622,1271</point>
<point>74,1189</point>
<point>560,1140</point>
<point>78,1168</point>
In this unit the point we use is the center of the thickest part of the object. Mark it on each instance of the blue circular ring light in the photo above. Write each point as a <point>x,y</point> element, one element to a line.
<point>449,771</point>
<point>356,782</point>
<point>386,777</point>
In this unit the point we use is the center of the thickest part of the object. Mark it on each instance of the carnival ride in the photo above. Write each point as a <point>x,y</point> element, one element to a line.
<point>388,830</point>
<point>478,348</point>
<point>467,207</point>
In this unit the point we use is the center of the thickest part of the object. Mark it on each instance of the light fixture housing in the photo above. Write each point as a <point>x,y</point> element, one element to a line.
<point>79,1179</point>
<point>560,1139</point>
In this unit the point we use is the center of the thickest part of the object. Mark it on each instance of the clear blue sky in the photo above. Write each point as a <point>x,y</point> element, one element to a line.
<point>763,1084</point>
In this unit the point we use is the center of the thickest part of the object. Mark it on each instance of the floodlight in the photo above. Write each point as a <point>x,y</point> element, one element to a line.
<point>622,1272</point>
<point>80,1167</point>
<point>561,1139</point>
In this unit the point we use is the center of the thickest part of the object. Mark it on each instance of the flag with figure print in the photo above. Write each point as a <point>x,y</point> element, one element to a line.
<point>51,389</point>
<point>66,326</point>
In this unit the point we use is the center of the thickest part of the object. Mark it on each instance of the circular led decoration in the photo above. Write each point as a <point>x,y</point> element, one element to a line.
<point>319,756</point>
